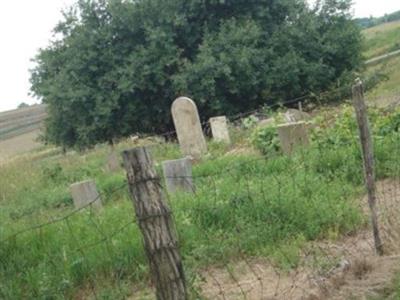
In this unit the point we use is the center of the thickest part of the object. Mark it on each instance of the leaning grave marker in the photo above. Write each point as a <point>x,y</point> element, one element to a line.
<point>219,129</point>
<point>85,194</point>
<point>178,175</point>
<point>188,128</point>
<point>293,136</point>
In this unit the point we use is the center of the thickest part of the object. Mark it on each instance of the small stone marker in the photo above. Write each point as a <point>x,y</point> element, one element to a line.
<point>292,136</point>
<point>85,194</point>
<point>113,163</point>
<point>219,129</point>
<point>188,128</point>
<point>294,115</point>
<point>178,175</point>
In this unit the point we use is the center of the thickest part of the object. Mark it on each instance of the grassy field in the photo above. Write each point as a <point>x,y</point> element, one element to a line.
<point>19,144</point>
<point>380,40</point>
<point>19,130</point>
<point>245,205</point>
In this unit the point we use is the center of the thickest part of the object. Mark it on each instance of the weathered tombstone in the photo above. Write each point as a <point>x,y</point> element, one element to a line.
<point>178,175</point>
<point>188,128</point>
<point>294,115</point>
<point>266,123</point>
<point>219,129</point>
<point>292,136</point>
<point>113,163</point>
<point>85,194</point>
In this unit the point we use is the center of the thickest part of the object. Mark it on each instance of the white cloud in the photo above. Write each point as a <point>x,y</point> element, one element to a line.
<point>25,26</point>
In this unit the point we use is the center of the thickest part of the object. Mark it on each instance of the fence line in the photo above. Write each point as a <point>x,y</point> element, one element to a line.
<point>63,218</point>
<point>241,210</point>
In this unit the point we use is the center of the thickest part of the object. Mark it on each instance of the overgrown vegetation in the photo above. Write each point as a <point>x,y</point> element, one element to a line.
<point>244,204</point>
<point>118,65</point>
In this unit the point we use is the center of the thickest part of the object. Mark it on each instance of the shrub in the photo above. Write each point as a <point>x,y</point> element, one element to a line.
<point>265,139</point>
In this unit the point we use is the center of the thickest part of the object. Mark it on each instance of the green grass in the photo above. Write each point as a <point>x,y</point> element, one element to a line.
<point>378,41</point>
<point>382,39</point>
<point>392,291</point>
<point>244,205</point>
<point>388,91</point>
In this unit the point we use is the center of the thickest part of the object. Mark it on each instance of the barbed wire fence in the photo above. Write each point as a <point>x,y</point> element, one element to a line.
<point>277,227</point>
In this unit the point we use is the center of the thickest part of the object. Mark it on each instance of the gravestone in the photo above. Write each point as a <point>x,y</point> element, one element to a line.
<point>113,163</point>
<point>294,115</point>
<point>178,175</point>
<point>219,129</point>
<point>188,128</point>
<point>293,136</point>
<point>85,194</point>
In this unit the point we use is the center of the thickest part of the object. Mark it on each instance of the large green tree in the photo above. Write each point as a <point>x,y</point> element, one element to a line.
<point>116,66</point>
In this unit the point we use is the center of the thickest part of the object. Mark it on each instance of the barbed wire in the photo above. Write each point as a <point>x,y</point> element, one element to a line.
<point>63,218</point>
<point>242,209</point>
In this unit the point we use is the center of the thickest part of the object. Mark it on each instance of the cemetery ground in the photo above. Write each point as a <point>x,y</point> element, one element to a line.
<point>254,215</point>
<point>255,218</point>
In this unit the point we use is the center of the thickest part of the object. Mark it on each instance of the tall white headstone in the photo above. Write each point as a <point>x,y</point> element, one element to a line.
<point>188,128</point>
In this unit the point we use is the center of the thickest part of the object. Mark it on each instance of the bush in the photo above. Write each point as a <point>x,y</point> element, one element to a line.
<point>265,139</point>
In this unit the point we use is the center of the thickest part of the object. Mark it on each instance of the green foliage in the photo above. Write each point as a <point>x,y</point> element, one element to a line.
<point>118,65</point>
<point>23,105</point>
<point>250,122</point>
<point>265,139</point>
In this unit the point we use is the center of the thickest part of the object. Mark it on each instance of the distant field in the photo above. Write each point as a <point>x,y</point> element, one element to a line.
<point>19,144</point>
<point>19,130</point>
<point>378,41</point>
<point>18,114</point>
<point>382,39</point>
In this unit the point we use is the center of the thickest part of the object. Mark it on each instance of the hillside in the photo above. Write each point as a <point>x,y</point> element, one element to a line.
<point>20,121</point>
<point>19,130</point>
<point>380,40</point>
<point>373,22</point>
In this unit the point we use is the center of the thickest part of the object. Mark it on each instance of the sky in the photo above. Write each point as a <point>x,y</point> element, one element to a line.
<point>26,26</point>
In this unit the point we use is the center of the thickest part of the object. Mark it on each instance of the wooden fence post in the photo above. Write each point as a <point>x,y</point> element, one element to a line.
<point>156,224</point>
<point>368,155</point>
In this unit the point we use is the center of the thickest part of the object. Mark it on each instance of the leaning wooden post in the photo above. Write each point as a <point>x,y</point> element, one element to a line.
<point>156,224</point>
<point>368,155</point>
